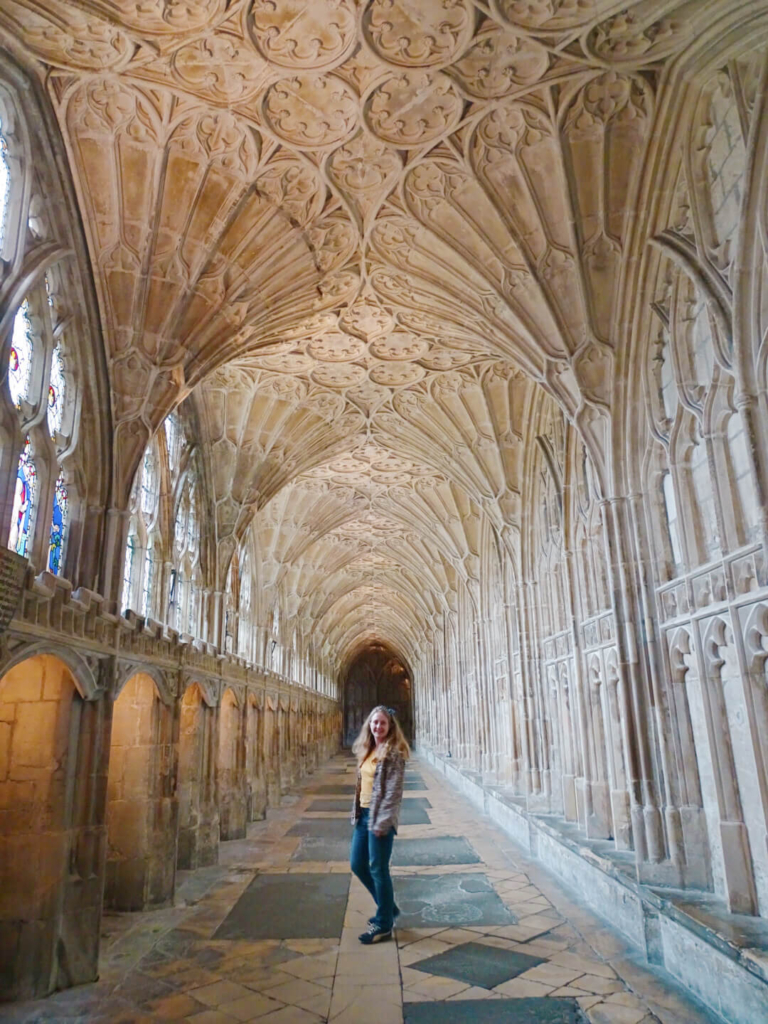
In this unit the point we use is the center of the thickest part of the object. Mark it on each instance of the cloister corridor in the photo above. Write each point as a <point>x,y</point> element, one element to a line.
<point>409,353</point>
<point>269,933</point>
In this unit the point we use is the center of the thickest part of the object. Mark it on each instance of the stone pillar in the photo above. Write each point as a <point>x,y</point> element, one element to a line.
<point>198,843</point>
<point>142,810</point>
<point>233,798</point>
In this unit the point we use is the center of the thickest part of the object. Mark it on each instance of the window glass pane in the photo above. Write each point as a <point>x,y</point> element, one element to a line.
<point>670,506</point>
<point>59,522</point>
<point>24,503</point>
<point>56,392</point>
<point>172,441</point>
<point>181,525</point>
<point>130,551</point>
<point>192,526</point>
<point>192,617</point>
<point>149,484</point>
<point>146,587</point>
<point>20,368</point>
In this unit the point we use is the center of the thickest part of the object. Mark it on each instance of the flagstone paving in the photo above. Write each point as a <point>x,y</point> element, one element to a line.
<point>270,935</point>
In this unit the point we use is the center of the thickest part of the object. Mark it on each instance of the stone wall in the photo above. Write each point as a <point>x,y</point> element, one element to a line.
<point>123,758</point>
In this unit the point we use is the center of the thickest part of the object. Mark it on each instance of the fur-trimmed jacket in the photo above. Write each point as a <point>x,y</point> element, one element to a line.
<point>384,810</point>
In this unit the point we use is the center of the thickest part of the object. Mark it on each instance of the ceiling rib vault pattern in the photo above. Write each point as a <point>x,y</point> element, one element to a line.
<point>359,236</point>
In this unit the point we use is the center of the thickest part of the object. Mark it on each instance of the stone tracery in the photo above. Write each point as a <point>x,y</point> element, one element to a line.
<point>432,318</point>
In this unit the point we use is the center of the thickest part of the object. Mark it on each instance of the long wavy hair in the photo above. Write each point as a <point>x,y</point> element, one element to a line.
<point>395,740</point>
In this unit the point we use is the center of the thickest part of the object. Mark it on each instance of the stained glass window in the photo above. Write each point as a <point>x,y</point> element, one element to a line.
<point>5,186</point>
<point>59,522</point>
<point>24,503</point>
<point>130,551</point>
<point>20,369</point>
<point>56,392</point>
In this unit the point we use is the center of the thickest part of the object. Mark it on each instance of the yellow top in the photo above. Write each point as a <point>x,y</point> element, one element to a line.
<point>367,772</point>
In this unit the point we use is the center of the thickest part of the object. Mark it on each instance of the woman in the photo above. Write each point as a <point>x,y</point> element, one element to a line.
<point>381,751</point>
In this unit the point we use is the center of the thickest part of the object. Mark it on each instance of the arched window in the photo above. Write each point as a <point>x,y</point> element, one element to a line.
<point>24,511</point>
<point>57,392</point>
<point>244,616</point>
<point>183,598</point>
<point>174,442</point>
<point>22,354</point>
<point>139,574</point>
<point>48,343</point>
<point>59,523</point>
<point>670,508</point>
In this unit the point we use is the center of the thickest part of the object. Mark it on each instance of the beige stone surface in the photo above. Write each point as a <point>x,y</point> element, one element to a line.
<point>411,351</point>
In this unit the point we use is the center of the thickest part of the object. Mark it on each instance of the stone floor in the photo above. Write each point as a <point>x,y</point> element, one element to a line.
<point>270,934</point>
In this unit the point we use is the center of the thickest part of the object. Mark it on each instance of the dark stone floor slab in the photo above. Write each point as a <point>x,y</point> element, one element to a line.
<point>494,1011</point>
<point>414,785</point>
<point>330,805</point>
<point>346,805</point>
<point>433,852</point>
<point>413,777</point>
<point>312,849</point>
<point>478,964</point>
<point>406,853</point>
<point>288,907</point>
<point>323,828</point>
<point>413,815</point>
<point>337,789</point>
<point>429,901</point>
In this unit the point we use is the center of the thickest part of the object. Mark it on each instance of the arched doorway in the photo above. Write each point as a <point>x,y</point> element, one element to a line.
<point>46,733</point>
<point>377,675</point>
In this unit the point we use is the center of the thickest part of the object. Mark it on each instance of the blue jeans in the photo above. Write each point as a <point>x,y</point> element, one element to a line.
<point>369,860</point>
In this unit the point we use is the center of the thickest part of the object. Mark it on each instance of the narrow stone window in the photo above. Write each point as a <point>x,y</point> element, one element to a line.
<point>24,503</point>
<point>670,507</point>
<point>22,353</point>
<point>59,522</point>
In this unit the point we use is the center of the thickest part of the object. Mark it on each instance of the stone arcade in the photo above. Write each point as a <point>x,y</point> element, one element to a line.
<point>402,350</point>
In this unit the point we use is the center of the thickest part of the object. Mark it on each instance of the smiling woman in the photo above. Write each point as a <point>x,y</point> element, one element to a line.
<point>381,751</point>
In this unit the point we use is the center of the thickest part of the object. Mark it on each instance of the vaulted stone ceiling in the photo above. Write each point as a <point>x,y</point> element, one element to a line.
<point>359,236</point>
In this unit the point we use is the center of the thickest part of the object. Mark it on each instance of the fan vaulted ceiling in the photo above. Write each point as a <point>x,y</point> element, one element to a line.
<point>359,236</point>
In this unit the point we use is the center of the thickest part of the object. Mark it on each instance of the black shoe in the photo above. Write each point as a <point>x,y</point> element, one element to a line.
<point>395,915</point>
<point>374,934</point>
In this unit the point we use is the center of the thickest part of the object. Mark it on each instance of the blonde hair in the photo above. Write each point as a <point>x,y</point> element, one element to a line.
<point>395,740</point>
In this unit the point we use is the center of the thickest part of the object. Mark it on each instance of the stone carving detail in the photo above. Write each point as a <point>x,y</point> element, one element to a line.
<point>364,169</point>
<point>293,34</point>
<point>418,33</point>
<point>219,67</point>
<point>311,111</point>
<point>336,347</point>
<point>498,62</point>
<point>413,108</point>
<point>630,38</point>
<point>550,15</point>
<point>66,37</point>
<point>161,17</point>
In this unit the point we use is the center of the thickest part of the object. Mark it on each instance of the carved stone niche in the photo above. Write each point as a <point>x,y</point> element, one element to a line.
<point>13,570</point>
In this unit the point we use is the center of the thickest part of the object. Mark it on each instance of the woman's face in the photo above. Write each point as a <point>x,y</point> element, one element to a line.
<point>379,726</point>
